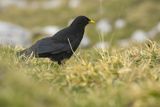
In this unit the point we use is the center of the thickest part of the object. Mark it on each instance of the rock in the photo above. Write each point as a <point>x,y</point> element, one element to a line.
<point>49,4</point>
<point>18,3</point>
<point>85,42</point>
<point>74,3</point>
<point>154,31</point>
<point>158,27</point>
<point>124,43</point>
<point>50,30</point>
<point>103,26</point>
<point>14,35</point>
<point>120,23</point>
<point>139,36</point>
<point>102,45</point>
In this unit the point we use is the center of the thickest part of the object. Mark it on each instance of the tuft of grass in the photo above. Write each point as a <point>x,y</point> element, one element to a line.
<point>112,78</point>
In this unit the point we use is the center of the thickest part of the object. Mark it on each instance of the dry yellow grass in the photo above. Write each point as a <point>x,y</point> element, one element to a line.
<point>112,78</point>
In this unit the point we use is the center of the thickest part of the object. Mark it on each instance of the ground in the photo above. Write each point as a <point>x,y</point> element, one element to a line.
<point>92,78</point>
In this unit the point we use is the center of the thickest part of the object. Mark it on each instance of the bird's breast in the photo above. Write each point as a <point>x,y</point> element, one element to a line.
<point>74,42</point>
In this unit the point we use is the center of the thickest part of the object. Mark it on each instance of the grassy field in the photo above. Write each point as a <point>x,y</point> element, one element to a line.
<point>143,15</point>
<point>92,78</point>
<point>114,77</point>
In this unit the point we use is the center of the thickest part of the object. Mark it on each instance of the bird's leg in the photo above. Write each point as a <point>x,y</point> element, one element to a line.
<point>59,62</point>
<point>62,62</point>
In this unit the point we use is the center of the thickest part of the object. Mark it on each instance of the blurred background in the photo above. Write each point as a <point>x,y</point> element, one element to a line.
<point>118,22</point>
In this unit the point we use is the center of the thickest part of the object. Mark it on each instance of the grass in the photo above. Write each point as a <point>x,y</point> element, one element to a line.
<point>109,78</point>
<point>114,77</point>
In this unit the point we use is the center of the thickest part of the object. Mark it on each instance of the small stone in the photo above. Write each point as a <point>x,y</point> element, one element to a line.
<point>124,43</point>
<point>74,3</point>
<point>50,30</point>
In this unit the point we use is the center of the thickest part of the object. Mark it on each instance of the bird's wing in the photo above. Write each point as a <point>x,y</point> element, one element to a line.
<point>47,45</point>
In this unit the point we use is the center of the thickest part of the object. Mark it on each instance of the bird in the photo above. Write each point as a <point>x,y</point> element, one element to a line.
<point>61,45</point>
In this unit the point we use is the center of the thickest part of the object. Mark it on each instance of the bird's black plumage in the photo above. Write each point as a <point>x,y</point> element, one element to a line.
<point>61,45</point>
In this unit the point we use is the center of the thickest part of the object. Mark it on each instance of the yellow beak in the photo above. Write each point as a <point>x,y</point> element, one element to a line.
<point>92,21</point>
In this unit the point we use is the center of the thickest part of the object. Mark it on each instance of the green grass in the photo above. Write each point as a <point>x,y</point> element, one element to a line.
<point>92,78</point>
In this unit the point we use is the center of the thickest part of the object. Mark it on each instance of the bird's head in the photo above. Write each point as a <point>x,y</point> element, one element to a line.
<point>81,21</point>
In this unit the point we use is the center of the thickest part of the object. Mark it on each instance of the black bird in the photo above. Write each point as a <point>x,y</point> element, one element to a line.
<point>61,45</point>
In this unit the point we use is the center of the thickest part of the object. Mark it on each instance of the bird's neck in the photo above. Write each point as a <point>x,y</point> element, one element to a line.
<point>78,28</point>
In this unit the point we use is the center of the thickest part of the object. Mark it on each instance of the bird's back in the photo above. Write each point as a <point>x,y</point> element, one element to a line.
<point>70,36</point>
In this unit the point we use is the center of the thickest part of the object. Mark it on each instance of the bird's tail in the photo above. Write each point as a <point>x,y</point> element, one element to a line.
<point>25,53</point>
